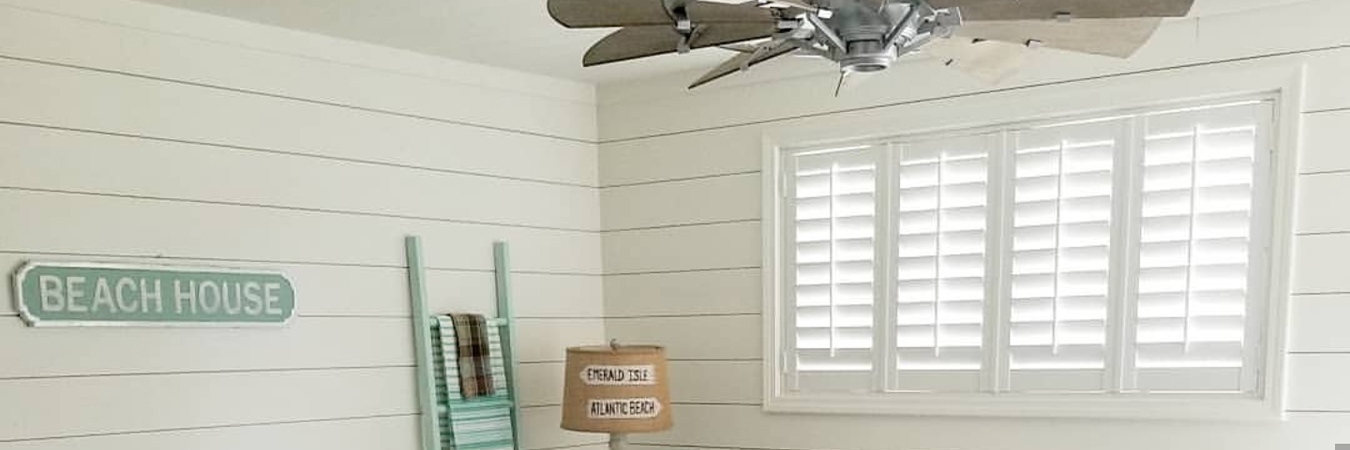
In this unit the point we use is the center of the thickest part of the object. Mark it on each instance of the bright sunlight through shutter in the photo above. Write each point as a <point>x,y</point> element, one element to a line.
<point>1062,255</point>
<point>1194,252</point>
<point>941,190</point>
<point>835,196</point>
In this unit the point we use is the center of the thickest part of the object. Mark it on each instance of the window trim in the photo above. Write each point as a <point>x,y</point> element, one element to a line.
<point>1283,83</point>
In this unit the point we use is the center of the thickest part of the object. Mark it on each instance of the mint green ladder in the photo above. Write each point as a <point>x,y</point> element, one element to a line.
<point>433,431</point>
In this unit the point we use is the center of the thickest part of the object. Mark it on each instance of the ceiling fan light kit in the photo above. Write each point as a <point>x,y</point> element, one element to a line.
<point>987,39</point>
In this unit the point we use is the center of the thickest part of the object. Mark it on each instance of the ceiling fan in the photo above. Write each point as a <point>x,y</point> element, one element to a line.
<point>987,39</point>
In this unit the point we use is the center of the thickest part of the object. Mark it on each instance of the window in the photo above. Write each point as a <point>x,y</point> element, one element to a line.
<point>1116,260</point>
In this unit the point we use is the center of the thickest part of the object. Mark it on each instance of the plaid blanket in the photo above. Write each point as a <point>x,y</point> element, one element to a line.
<point>475,362</point>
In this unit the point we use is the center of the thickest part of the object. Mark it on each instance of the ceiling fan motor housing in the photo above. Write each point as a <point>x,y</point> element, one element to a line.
<point>863,30</point>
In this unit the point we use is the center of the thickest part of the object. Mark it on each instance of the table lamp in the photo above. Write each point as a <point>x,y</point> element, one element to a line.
<point>616,389</point>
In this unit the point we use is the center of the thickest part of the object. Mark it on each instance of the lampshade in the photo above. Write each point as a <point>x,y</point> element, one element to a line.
<point>616,389</point>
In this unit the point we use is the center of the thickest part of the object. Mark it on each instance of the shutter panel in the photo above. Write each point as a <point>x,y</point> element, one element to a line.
<point>941,192</point>
<point>1194,252</point>
<point>1061,255</point>
<point>835,231</point>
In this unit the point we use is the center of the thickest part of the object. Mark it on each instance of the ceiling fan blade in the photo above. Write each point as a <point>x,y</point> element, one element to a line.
<point>979,10</point>
<point>988,61</point>
<point>1109,37</point>
<point>713,12</point>
<point>608,13</point>
<point>741,62</point>
<point>640,42</point>
<point>637,13</point>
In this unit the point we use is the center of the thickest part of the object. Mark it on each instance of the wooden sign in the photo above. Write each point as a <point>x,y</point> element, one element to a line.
<point>640,375</point>
<point>95,294</point>
<point>623,408</point>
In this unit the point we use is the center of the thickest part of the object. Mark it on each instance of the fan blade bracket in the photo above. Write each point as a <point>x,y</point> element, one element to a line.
<point>906,29</point>
<point>687,41</point>
<point>744,61</point>
<point>948,19</point>
<point>826,32</point>
<point>738,48</point>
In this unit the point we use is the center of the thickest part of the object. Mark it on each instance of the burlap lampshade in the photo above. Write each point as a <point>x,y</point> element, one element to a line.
<point>617,390</point>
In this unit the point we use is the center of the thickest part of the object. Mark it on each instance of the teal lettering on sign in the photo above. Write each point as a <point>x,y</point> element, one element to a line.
<point>94,294</point>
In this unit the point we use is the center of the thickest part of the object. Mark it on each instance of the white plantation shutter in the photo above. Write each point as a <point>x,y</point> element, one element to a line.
<point>834,196</point>
<point>941,191</point>
<point>1125,255</point>
<point>1195,269</point>
<point>1061,255</point>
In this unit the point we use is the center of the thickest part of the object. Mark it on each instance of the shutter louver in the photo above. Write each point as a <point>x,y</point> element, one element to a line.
<point>1062,217</point>
<point>1196,217</point>
<point>941,192</point>
<point>835,210</point>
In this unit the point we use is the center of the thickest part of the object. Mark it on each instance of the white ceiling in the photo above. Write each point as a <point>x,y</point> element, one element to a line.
<point>515,34</point>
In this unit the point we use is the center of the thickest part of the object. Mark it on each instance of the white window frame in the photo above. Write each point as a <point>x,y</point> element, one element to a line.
<point>1148,92</point>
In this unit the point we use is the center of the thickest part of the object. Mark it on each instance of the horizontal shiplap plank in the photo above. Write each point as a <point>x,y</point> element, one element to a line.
<point>1223,37</point>
<point>38,158</point>
<point>732,338</point>
<point>87,100</point>
<point>734,291</point>
<point>706,200</point>
<point>327,290</point>
<point>539,430</point>
<point>718,246</point>
<point>306,343</point>
<point>1326,141</point>
<point>1317,382</point>
<point>85,224</point>
<point>733,382</point>
<point>540,384</point>
<point>1317,323</point>
<point>1325,79</point>
<point>44,408</point>
<point>1317,266</point>
<point>370,433</point>
<point>1319,200</point>
<point>199,48</point>
<point>550,295</point>
<point>716,152</point>
<point>723,426</point>
<point>547,339</point>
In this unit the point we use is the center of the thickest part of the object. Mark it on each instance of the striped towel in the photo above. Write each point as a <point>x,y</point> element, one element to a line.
<point>482,423</point>
<point>475,355</point>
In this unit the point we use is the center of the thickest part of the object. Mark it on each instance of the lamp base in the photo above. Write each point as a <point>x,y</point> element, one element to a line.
<point>618,441</point>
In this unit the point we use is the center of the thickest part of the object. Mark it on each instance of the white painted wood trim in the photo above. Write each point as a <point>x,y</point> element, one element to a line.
<point>770,270</point>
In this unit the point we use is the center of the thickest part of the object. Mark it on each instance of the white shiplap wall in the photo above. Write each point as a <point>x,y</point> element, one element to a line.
<point>681,209</point>
<point>139,133</point>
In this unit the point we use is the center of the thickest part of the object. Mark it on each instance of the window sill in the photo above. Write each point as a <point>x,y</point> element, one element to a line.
<point>1198,407</point>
